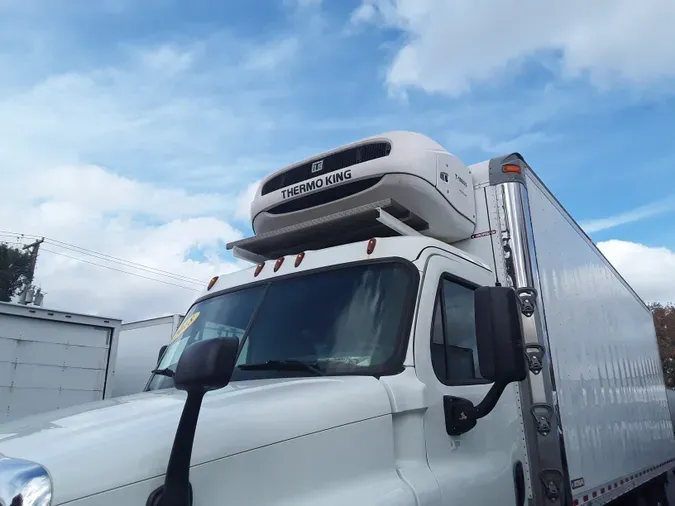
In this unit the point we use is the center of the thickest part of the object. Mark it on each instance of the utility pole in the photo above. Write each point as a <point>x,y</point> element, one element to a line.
<point>34,247</point>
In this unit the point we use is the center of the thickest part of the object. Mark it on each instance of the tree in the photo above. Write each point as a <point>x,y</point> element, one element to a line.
<point>14,271</point>
<point>664,321</point>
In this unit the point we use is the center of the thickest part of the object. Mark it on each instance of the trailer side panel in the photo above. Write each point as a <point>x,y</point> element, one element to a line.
<point>138,349</point>
<point>609,384</point>
<point>46,365</point>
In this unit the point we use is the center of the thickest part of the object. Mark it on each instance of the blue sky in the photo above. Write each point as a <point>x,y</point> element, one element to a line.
<point>136,128</point>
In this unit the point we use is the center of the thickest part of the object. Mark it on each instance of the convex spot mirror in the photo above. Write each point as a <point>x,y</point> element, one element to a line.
<point>499,334</point>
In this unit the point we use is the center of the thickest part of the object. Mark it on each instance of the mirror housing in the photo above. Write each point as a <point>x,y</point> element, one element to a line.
<point>501,355</point>
<point>499,334</point>
<point>206,365</point>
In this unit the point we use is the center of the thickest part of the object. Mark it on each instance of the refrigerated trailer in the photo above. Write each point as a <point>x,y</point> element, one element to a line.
<point>413,331</point>
<point>53,359</point>
<point>140,343</point>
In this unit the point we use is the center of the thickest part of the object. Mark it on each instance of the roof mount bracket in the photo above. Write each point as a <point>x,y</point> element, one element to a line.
<point>394,223</point>
<point>384,218</point>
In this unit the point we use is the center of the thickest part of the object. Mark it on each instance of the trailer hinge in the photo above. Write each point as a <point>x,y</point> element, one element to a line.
<point>535,357</point>
<point>552,480</point>
<point>527,297</point>
<point>543,416</point>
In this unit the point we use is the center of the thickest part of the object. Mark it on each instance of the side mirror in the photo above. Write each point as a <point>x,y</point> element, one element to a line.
<point>501,355</point>
<point>499,334</point>
<point>161,353</point>
<point>206,365</point>
<point>203,366</point>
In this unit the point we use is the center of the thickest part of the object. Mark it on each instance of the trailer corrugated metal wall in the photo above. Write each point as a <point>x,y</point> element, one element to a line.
<point>46,364</point>
<point>611,395</point>
<point>138,350</point>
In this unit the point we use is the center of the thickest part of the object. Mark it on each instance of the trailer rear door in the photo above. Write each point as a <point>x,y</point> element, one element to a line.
<point>47,364</point>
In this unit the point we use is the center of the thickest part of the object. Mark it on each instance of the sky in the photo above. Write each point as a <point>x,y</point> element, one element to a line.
<point>139,130</point>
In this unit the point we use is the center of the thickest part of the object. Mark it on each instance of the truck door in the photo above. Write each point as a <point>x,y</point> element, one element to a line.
<point>484,465</point>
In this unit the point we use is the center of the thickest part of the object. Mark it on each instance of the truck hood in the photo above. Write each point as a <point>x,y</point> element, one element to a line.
<point>99,446</point>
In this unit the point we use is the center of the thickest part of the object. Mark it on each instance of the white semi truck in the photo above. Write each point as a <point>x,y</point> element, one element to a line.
<point>414,331</point>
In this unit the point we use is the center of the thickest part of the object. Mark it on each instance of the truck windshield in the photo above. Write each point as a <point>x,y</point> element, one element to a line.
<point>348,320</point>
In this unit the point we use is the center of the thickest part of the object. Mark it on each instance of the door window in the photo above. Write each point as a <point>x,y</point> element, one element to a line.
<point>454,353</point>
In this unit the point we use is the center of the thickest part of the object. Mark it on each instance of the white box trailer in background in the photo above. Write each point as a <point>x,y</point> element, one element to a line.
<point>138,351</point>
<point>53,359</point>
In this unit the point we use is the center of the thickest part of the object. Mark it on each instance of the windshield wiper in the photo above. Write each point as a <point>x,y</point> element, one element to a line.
<point>284,365</point>
<point>164,372</point>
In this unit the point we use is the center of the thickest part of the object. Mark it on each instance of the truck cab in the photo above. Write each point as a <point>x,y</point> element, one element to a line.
<point>387,328</point>
<point>390,316</point>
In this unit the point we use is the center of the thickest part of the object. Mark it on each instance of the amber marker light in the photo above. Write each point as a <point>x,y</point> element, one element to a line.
<point>278,263</point>
<point>211,283</point>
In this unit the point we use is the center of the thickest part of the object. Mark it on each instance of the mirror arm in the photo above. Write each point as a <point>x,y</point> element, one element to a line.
<point>461,415</point>
<point>490,400</point>
<point>177,490</point>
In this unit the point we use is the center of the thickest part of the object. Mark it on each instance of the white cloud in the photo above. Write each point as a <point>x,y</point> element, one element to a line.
<point>650,271</point>
<point>637,214</point>
<point>90,207</point>
<point>364,13</point>
<point>165,110</point>
<point>451,45</point>
<point>464,140</point>
<point>166,59</point>
<point>302,4</point>
<point>243,210</point>
<point>136,161</point>
<point>92,187</point>
<point>273,55</point>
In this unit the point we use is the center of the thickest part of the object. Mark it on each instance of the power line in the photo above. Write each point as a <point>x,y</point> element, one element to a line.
<point>121,261</point>
<point>104,256</point>
<point>19,236</point>
<point>26,237</point>
<point>13,244</point>
<point>16,234</point>
<point>119,270</point>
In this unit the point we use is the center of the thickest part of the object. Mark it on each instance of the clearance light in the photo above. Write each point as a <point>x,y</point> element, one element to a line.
<point>278,263</point>
<point>299,258</point>
<point>258,269</point>
<point>212,282</point>
<point>511,168</point>
<point>371,246</point>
